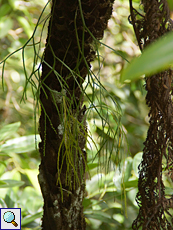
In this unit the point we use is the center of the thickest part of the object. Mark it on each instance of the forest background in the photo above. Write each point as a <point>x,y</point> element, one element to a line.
<point>110,201</point>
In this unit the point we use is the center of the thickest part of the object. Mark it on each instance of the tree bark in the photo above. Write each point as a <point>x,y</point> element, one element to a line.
<point>62,126</point>
<point>158,147</point>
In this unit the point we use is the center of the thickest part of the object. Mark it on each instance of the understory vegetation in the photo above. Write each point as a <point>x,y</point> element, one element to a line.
<point>112,166</point>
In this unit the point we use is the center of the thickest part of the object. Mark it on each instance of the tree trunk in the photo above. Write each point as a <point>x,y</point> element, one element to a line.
<point>158,147</point>
<point>68,53</point>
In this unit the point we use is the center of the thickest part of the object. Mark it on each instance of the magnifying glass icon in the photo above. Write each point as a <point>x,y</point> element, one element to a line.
<point>9,217</point>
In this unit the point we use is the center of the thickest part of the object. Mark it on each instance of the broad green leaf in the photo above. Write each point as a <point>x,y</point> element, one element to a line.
<point>100,215</point>
<point>14,4</point>
<point>170,3</point>
<point>26,199</point>
<point>10,183</point>
<point>3,163</point>
<point>101,191</point>
<point>28,219</point>
<point>3,166</point>
<point>126,169</point>
<point>4,9</point>
<point>86,202</point>
<point>156,57</point>
<point>131,183</point>
<point>10,198</point>
<point>95,184</point>
<point>136,161</point>
<point>168,190</point>
<point>120,178</point>
<point>32,175</point>
<point>11,175</point>
<point>8,130</point>
<point>6,24</point>
<point>2,203</point>
<point>2,182</point>
<point>92,165</point>
<point>119,217</point>
<point>26,26</point>
<point>20,144</point>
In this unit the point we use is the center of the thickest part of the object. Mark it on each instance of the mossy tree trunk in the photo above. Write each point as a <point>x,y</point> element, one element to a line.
<point>69,50</point>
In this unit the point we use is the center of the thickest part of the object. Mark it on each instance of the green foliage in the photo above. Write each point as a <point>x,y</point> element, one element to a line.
<point>112,195</point>
<point>170,2</point>
<point>10,183</point>
<point>18,173</point>
<point>156,57</point>
<point>8,130</point>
